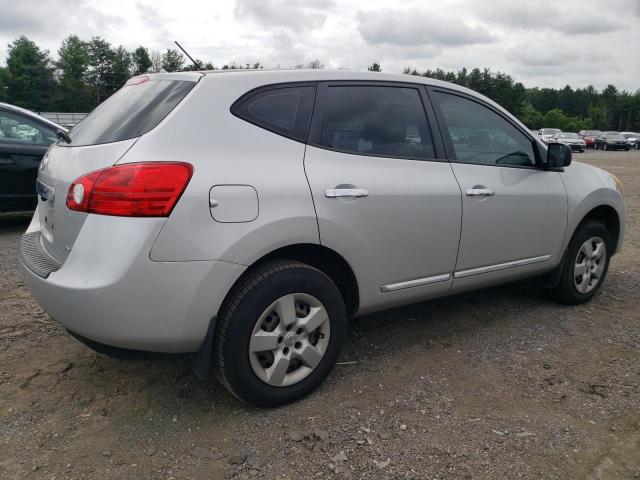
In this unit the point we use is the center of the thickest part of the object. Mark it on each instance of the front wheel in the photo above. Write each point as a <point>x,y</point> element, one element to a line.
<point>585,264</point>
<point>279,333</point>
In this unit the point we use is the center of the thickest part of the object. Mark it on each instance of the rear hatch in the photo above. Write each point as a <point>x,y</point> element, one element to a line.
<point>98,142</point>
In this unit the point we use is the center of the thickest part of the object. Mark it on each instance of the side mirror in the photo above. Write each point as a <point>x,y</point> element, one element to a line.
<point>558,155</point>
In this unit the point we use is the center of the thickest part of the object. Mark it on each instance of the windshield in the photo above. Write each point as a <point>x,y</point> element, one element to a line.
<point>630,135</point>
<point>549,131</point>
<point>130,112</point>
<point>615,136</point>
<point>568,135</point>
<point>592,133</point>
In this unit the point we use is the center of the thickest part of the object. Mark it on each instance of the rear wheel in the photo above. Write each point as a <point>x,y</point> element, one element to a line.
<point>279,333</point>
<point>585,264</point>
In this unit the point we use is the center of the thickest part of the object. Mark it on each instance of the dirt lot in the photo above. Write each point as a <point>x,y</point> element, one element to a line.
<point>500,383</point>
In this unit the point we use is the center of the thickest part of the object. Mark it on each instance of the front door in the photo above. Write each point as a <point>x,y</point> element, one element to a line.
<point>383,198</point>
<point>514,212</point>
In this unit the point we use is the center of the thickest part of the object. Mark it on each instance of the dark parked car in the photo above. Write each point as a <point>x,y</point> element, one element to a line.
<point>24,139</point>
<point>633,139</point>
<point>573,140</point>
<point>612,141</point>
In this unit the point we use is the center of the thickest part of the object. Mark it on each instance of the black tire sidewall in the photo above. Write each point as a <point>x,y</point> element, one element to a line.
<point>566,290</point>
<point>239,374</point>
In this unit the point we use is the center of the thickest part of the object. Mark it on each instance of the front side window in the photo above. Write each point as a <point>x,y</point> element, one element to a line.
<point>376,120</point>
<point>284,110</point>
<point>15,128</point>
<point>481,136</point>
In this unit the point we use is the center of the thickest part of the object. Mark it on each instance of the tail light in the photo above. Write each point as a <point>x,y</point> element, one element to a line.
<point>131,190</point>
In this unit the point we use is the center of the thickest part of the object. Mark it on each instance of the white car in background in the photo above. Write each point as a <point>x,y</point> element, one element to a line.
<point>545,134</point>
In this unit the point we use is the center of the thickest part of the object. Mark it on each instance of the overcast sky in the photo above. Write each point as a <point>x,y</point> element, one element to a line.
<point>539,42</point>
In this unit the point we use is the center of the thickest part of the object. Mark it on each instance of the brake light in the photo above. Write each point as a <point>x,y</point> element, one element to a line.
<point>137,80</point>
<point>131,190</point>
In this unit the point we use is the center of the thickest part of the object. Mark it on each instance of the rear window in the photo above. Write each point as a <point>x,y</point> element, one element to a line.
<point>130,112</point>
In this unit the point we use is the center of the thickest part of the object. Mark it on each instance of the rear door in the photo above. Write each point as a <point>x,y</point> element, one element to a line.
<point>23,142</point>
<point>514,211</point>
<point>385,197</point>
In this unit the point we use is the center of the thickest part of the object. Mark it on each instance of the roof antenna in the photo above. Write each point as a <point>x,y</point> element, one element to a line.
<point>185,52</point>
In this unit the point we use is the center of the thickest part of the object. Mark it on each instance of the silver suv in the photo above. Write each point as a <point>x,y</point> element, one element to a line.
<point>242,217</point>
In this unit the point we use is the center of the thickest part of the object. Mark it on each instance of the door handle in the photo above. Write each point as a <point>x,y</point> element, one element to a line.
<point>346,192</point>
<point>480,192</point>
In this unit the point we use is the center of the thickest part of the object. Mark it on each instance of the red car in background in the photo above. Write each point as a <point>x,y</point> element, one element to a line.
<point>589,137</point>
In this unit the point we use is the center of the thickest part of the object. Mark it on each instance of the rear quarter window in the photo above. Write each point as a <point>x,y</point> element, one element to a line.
<point>285,110</point>
<point>130,112</point>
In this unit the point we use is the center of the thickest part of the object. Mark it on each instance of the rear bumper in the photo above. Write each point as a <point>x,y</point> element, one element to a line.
<point>110,292</point>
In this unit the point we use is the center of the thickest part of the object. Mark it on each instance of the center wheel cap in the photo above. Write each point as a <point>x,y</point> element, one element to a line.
<point>290,339</point>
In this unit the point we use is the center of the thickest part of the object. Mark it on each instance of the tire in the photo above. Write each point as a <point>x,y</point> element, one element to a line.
<point>257,307</point>
<point>569,290</point>
<point>604,147</point>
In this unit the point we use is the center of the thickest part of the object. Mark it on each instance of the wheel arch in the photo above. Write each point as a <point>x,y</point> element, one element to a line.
<point>603,213</point>
<point>318,256</point>
<point>324,259</point>
<point>608,216</point>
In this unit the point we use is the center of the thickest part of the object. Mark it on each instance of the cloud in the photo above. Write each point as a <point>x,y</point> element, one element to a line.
<point>535,57</point>
<point>418,27</point>
<point>295,15</point>
<point>46,19</point>
<point>565,18</point>
<point>153,20</point>
<point>542,43</point>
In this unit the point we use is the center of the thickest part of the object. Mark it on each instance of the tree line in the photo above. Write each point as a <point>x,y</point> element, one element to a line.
<point>87,72</point>
<point>569,109</point>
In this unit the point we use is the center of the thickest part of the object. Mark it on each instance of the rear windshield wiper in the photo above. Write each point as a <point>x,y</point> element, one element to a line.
<point>64,136</point>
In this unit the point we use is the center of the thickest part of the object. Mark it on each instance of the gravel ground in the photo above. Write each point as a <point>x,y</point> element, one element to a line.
<point>499,383</point>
